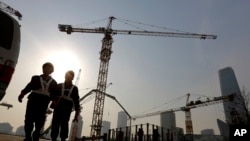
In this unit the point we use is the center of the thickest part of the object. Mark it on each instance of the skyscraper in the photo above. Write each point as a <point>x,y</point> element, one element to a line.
<point>233,110</point>
<point>122,120</point>
<point>168,123</point>
<point>105,127</point>
<point>168,120</point>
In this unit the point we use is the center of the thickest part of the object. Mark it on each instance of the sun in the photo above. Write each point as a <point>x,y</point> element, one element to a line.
<point>63,60</point>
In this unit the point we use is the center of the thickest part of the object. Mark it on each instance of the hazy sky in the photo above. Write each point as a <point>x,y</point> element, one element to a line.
<point>147,73</point>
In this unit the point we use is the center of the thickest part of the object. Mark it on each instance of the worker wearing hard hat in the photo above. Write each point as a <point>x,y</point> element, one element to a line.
<point>68,98</point>
<point>42,88</point>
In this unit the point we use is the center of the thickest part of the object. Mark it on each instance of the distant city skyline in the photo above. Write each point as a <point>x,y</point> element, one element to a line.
<point>207,132</point>
<point>6,128</point>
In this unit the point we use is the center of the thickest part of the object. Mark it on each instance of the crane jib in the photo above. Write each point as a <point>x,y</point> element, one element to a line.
<point>101,30</point>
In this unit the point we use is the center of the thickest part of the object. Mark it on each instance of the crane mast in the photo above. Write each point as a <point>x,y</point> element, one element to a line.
<point>105,55</point>
<point>188,121</point>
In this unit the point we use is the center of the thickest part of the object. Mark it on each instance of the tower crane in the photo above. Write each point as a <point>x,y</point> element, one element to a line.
<point>105,55</point>
<point>6,8</point>
<point>190,105</point>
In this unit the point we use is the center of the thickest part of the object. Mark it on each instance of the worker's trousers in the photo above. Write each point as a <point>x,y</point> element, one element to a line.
<point>60,122</point>
<point>35,116</point>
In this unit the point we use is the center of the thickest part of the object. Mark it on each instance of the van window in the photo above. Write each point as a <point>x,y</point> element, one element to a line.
<point>6,30</point>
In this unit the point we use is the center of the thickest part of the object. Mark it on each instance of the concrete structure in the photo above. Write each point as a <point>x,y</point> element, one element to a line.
<point>179,135</point>
<point>168,122</point>
<point>122,120</point>
<point>207,132</point>
<point>105,127</point>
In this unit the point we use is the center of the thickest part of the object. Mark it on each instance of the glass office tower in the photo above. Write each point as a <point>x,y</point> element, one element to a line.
<point>234,111</point>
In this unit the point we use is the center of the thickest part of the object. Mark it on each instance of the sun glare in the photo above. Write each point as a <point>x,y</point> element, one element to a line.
<point>64,60</point>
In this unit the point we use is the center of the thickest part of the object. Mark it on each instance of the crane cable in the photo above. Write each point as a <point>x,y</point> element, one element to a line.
<point>91,23</point>
<point>166,103</point>
<point>149,25</point>
<point>211,81</point>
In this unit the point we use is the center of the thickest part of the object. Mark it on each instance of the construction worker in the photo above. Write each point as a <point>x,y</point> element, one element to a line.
<point>42,88</point>
<point>68,99</point>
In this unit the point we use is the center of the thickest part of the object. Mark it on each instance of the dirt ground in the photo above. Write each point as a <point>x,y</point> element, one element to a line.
<point>5,137</point>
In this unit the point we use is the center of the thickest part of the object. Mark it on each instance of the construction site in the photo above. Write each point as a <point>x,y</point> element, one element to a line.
<point>131,132</point>
<point>151,132</point>
<point>140,132</point>
<point>100,91</point>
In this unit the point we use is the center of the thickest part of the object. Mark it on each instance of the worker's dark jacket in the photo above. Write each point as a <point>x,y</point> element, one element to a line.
<point>68,100</point>
<point>35,87</point>
<point>37,99</point>
<point>42,92</point>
